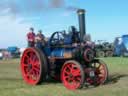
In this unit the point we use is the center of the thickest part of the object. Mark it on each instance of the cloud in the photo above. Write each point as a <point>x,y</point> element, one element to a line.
<point>17,7</point>
<point>57,3</point>
<point>12,32</point>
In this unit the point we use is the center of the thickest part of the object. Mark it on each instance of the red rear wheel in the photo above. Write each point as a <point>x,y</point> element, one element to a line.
<point>72,75</point>
<point>101,73</point>
<point>33,66</point>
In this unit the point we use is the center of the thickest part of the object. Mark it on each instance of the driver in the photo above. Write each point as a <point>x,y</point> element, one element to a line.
<point>74,35</point>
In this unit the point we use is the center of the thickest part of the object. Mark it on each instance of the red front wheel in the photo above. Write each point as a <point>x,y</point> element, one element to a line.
<point>72,75</point>
<point>33,66</point>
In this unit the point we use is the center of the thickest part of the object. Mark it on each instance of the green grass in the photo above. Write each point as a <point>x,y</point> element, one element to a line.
<point>11,83</point>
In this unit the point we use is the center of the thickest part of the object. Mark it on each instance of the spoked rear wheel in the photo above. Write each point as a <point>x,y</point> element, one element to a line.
<point>101,73</point>
<point>109,54</point>
<point>100,54</point>
<point>33,66</point>
<point>72,75</point>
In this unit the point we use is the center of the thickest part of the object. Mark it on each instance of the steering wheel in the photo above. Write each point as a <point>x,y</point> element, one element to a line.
<point>57,38</point>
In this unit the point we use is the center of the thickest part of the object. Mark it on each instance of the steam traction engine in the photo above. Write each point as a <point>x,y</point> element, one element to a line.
<point>74,64</point>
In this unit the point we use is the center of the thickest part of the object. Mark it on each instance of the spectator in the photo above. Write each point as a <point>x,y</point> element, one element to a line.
<point>31,38</point>
<point>40,39</point>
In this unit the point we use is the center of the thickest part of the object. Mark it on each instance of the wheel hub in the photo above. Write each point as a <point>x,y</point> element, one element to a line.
<point>91,74</point>
<point>70,75</point>
<point>29,66</point>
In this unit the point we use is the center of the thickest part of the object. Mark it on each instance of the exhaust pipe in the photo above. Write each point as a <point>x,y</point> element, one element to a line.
<point>82,27</point>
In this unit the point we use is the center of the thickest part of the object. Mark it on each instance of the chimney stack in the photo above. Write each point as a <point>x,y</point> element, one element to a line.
<point>82,27</point>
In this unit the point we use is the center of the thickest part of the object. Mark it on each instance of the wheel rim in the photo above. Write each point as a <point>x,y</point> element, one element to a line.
<point>30,65</point>
<point>101,73</point>
<point>71,76</point>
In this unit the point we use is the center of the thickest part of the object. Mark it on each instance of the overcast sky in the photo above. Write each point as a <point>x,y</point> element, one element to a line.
<point>105,19</point>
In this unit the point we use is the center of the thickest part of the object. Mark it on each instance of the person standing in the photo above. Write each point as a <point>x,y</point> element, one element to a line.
<point>40,40</point>
<point>31,38</point>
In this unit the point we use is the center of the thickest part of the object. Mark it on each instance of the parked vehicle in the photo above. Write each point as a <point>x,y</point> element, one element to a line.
<point>21,50</point>
<point>104,49</point>
<point>1,55</point>
<point>14,51</point>
<point>121,46</point>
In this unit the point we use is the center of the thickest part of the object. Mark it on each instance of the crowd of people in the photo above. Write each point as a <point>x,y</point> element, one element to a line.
<point>35,40</point>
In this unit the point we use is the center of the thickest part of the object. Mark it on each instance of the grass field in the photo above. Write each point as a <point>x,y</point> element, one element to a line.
<point>11,83</point>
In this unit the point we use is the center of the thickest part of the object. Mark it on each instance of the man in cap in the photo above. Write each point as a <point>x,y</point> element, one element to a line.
<point>74,35</point>
<point>40,39</point>
<point>31,37</point>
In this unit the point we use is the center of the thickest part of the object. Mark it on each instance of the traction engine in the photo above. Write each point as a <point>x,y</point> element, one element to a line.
<point>63,59</point>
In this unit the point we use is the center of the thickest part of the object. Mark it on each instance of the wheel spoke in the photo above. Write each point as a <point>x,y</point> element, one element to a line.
<point>78,78</point>
<point>66,72</point>
<point>36,63</point>
<point>76,72</point>
<point>101,75</point>
<point>36,68</point>
<point>35,74</point>
<point>25,65</point>
<point>72,78</point>
<point>102,71</point>
<point>31,61</point>
<point>34,59</point>
<point>28,74</point>
<point>31,54</point>
<point>69,67</point>
<point>26,59</point>
<point>100,67</point>
<point>66,77</point>
<point>76,83</point>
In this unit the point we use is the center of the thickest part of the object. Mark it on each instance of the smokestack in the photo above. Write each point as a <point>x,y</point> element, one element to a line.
<point>82,27</point>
